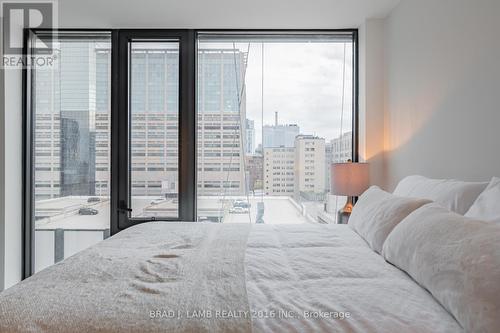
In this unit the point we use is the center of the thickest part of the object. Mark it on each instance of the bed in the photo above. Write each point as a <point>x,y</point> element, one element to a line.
<point>209,277</point>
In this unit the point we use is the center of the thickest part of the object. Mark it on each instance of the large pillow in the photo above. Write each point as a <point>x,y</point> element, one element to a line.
<point>377,212</point>
<point>487,205</point>
<point>455,258</point>
<point>456,195</point>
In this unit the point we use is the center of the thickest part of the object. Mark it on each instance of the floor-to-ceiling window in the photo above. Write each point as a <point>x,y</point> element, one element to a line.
<point>208,126</point>
<point>70,124</point>
<point>274,111</point>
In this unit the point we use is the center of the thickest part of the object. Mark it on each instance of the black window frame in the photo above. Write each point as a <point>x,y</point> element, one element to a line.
<point>119,175</point>
<point>120,125</point>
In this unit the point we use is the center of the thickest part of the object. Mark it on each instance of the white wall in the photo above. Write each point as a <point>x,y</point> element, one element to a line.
<point>442,98</point>
<point>11,178</point>
<point>2,170</point>
<point>371,98</point>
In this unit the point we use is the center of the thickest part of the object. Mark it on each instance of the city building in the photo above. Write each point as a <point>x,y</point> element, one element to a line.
<point>309,167</point>
<point>328,163</point>
<point>259,150</point>
<point>336,151</point>
<point>255,171</point>
<point>279,135</point>
<point>67,155</point>
<point>250,136</point>
<point>297,171</point>
<point>72,146</point>
<point>221,113</point>
<point>342,148</point>
<point>279,174</point>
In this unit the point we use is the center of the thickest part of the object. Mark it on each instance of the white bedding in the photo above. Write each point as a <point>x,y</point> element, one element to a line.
<point>329,268</point>
<point>139,280</point>
<point>265,277</point>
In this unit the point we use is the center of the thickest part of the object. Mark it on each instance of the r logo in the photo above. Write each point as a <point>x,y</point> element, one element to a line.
<point>20,15</point>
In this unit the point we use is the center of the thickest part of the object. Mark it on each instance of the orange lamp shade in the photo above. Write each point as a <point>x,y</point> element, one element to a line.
<point>350,179</point>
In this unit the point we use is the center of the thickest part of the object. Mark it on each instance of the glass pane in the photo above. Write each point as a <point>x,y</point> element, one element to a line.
<point>71,142</point>
<point>273,115</point>
<point>154,128</point>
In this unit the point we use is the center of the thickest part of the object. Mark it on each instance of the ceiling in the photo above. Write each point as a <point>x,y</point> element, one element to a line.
<point>303,14</point>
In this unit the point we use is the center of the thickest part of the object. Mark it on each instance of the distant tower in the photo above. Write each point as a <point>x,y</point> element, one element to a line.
<point>279,135</point>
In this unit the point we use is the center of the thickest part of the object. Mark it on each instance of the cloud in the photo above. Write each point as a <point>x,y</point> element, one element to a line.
<point>303,82</point>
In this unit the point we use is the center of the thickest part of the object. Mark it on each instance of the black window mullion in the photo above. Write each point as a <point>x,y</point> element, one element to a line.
<point>117,122</point>
<point>187,125</point>
<point>28,241</point>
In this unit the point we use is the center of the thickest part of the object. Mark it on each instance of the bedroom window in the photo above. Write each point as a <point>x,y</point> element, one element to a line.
<point>274,111</point>
<point>70,147</point>
<point>138,125</point>
<point>153,159</point>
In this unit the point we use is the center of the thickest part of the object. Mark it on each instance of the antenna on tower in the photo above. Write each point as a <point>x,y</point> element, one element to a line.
<point>275,118</point>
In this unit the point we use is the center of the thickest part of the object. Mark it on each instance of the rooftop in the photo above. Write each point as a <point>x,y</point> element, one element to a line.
<point>63,213</point>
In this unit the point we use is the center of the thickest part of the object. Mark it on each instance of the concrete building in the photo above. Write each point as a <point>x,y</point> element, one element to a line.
<point>47,156</point>
<point>336,151</point>
<point>259,150</point>
<point>65,121</point>
<point>342,148</point>
<point>309,167</point>
<point>279,174</point>
<point>279,135</point>
<point>328,164</point>
<point>296,171</point>
<point>221,115</point>
<point>250,136</point>
<point>255,171</point>
<point>72,146</point>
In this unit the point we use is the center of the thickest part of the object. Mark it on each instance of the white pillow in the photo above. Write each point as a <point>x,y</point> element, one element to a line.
<point>377,212</point>
<point>487,205</point>
<point>456,259</point>
<point>456,195</point>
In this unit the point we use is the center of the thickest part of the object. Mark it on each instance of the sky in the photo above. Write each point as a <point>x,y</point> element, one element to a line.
<point>303,82</point>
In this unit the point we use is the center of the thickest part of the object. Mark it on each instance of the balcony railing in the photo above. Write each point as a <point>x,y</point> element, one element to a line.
<point>54,245</point>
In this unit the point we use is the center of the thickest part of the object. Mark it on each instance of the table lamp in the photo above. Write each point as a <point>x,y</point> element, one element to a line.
<point>351,180</point>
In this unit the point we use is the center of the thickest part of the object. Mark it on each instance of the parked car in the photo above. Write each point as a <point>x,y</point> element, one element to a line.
<point>241,203</point>
<point>88,211</point>
<point>238,210</point>
<point>93,199</point>
<point>157,201</point>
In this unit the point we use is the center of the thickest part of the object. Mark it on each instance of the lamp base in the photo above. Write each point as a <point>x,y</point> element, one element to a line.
<point>348,206</point>
<point>345,212</point>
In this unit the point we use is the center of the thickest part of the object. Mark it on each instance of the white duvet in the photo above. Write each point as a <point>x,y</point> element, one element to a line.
<point>260,278</point>
<point>328,271</point>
